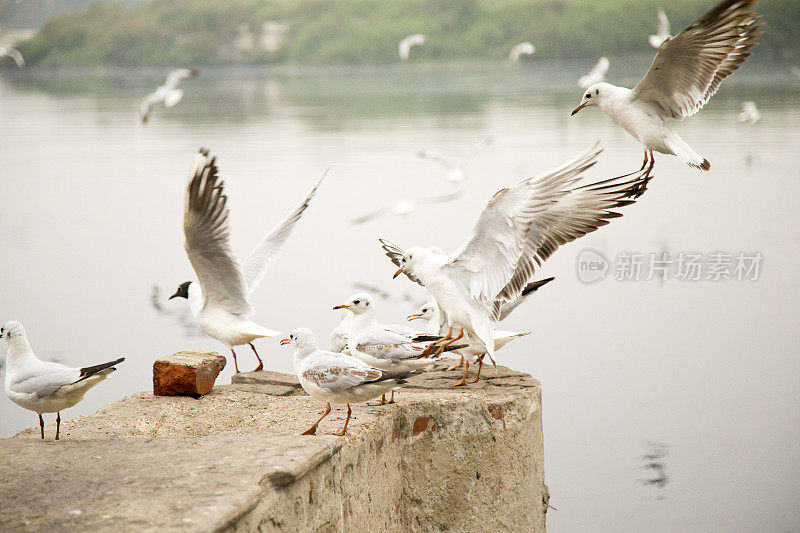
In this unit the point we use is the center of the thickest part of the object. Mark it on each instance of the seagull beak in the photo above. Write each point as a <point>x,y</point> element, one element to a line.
<point>342,306</point>
<point>285,341</point>
<point>399,271</point>
<point>579,108</point>
<point>413,317</point>
<point>173,296</point>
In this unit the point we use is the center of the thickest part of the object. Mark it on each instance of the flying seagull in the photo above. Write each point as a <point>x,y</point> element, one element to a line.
<point>525,48</point>
<point>406,207</point>
<point>520,227</point>
<point>662,31</point>
<point>456,169</point>
<point>41,386</point>
<point>750,113</point>
<point>597,74</point>
<point>219,302</point>
<point>408,43</point>
<point>13,53</point>
<point>168,94</point>
<point>685,74</point>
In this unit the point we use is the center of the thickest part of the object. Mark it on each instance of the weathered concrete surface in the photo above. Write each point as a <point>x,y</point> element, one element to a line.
<point>441,459</point>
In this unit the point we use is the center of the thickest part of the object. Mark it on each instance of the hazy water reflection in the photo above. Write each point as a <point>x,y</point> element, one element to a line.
<point>90,214</point>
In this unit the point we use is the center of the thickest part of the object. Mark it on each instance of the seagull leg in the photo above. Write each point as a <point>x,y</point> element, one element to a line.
<point>448,343</point>
<point>382,402</point>
<point>644,163</point>
<point>58,423</point>
<point>391,400</point>
<point>41,425</point>
<point>260,362</point>
<point>480,365</point>
<point>430,349</point>
<point>235,364</point>
<point>459,365</point>
<point>347,421</point>
<point>313,429</point>
<point>463,382</point>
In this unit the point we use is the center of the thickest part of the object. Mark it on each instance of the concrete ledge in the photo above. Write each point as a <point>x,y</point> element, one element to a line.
<point>441,459</point>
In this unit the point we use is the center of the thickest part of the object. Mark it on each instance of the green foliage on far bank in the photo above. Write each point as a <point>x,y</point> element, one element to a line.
<point>184,32</point>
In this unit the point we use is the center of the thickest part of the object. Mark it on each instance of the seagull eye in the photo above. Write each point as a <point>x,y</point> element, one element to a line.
<point>357,302</point>
<point>291,336</point>
<point>588,95</point>
<point>597,91</point>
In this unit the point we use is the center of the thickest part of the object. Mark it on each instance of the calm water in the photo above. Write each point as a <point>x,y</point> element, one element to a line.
<point>668,405</point>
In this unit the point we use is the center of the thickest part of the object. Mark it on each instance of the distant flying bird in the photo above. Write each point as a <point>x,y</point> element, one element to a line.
<point>456,170</point>
<point>13,53</point>
<point>44,387</point>
<point>750,113</point>
<point>596,75</point>
<point>685,74</point>
<point>219,302</point>
<point>168,94</point>
<point>409,42</point>
<point>525,48</point>
<point>662,32</point>
<point>406,207</point>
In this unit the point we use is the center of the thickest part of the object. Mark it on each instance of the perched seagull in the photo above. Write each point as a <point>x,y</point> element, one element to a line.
<point>13,53</point>
<point>525,48</point>
<point>337,378</point>
<point>596,75</point>
<point>685,74</point>
<point>45,387</point>
<point>662,32</point>
<point>408,43</point>
<point>168,94</point>
<point>406,207</point>
<point>394,347</point>
<point>750,112</point>
<point>219,302</point>
<point>456,170</point>
<point>520,227</point>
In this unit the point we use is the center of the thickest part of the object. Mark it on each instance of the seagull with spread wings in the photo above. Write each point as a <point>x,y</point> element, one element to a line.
<point>456,169</point>
<point>520,227</point>
<point>684,75</point>
<point>219,302</point>
<point>406,207</point>
<point>167,94</point>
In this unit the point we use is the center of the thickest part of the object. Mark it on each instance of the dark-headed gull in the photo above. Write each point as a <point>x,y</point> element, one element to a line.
<point>167,94</point>
<point>219,302</point>
<point>520,227</point>
<point>337,378</point>
<point>685,74</point>
<point>41,386</point>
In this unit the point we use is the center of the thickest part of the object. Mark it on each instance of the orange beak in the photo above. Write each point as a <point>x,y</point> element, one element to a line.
<point>342,306</point>
<point>579,108</point>
<point>414,316</point>
<point>285,341</point>
<point>399,271</point>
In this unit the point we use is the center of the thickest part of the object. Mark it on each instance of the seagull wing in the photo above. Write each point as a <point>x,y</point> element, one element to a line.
<point>336,372</point>
<point>663,23</point>
<point>44,379</point>
<point>505,308</point>
<point>434,155</point>
<point>14,54</point>
<point>268,250</point>
<point>689,68</point>
<point>205,225</point>
<point>444,198</point>
<point>370,216</point>
<point>600,68</point>
<point>395,254</point>
<point>178,75</point>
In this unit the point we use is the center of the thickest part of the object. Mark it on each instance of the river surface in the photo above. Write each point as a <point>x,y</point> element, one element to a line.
<point>669,404</point>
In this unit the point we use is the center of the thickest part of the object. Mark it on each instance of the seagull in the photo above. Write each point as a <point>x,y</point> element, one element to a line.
<point>408,43</point>
<point>662,32</point>
<point>337,378</point>
<point>406,207</point>
<point>183,317</point>
<point>596,75</point>
<point>685,74</point>
<point>339,335</point>
<point>456,171</point>
<point>520,227</point>
<point>168,94</point>
<point>13,53</point>
<point>219,302</point>
<point>750,112</point>
<point>525,48</point>
<point>394,347</point>
<point>41,386</point>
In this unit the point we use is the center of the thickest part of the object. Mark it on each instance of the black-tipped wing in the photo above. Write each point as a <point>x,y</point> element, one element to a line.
<point>90,371</point>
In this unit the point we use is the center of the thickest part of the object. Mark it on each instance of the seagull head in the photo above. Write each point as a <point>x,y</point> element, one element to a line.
<point>11,329</point>
<point>427,311</point>
<point>183,291</point>
<point>592,95</point>
<point>410,258</point>
<point>302,339</point>
<point>358,303</point>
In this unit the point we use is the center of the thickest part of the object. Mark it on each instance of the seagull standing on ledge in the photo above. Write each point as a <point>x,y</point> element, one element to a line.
<point>219,302</point>
<point>408,43</point>
<point>337,378</point>
<point>168,94</point>
<point>685,74</point>
<point>41,386</point>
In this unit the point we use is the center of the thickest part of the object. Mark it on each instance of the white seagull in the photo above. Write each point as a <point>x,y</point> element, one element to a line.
<point>337,378</point>
<point>662,31</point>
<point>750,113</point>
<point>456,170</point>
<point>13,53</point>
<point>685,74</point>
<point>596,75</point>
<point>525,48</point>
<point>168,94</point>
<point>408,43</point>
<point>219,302</point>
<point>520,227</point>
<point>340,333</point>
<point>406,207</point>
<point>41,386</point>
